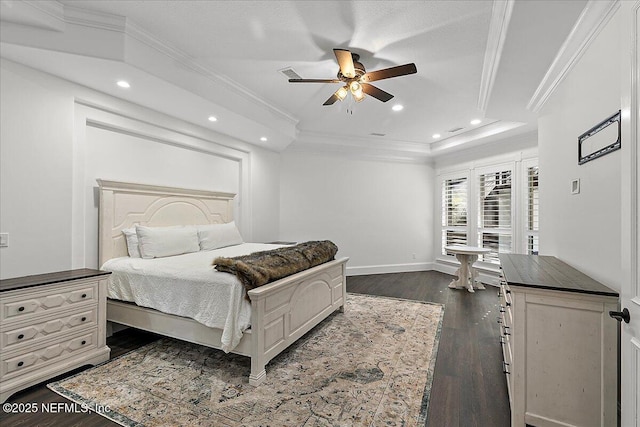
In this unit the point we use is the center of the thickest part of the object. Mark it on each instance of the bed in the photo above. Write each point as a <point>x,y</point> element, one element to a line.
<point>280,312</point>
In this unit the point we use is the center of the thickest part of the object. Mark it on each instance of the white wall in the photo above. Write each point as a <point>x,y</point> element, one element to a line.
<point>378,213</point>
<point>57,138</point>
<point>36,134</point>
<point>583,230</point>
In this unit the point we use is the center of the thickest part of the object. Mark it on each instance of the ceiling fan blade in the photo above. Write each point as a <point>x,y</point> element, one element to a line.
<point>331,100</point>
<point>345,60</point>
<point>376,92</point>
<point>314,81</point>
<point>387,73</point>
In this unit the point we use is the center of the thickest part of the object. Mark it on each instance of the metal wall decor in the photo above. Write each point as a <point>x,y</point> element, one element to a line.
<point>596,142</point>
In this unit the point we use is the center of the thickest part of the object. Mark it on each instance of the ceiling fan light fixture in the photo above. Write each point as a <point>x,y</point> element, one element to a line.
<point>342,92</point>
<point>356,90</point>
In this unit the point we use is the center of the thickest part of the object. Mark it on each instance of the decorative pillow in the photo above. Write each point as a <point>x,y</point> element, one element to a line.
<point>157,242</point>
<point>132,242</point>
<point>216,236</point>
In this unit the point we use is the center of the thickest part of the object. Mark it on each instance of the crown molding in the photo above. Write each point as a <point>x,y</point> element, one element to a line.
<point>39,14</point>
<point>362,142</point>
<point>356,153</point>
<point>93,19</point>
<point>500,18</point>
<point>138,33</point>
<point>591,21</point>
<point>473,136</point>
<point>104,21</point>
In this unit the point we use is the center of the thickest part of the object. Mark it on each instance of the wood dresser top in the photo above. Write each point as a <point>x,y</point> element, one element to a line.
<point>548,272</point>
<point>49,278</point>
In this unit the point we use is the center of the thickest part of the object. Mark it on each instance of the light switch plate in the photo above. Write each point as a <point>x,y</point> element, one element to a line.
<point>4,240</point>
<point>575,186</point>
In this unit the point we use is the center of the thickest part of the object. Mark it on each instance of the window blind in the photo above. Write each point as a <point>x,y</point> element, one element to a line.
<point>532,210</point>
<point>494,213</point>
<point>454,212</point>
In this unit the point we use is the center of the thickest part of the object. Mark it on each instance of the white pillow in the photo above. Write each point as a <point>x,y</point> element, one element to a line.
<point>157,242</point>
<point>216,236</point>
<point>132,242</point>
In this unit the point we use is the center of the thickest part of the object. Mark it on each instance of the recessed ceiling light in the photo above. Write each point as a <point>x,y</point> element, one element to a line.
<point>213,119</point>
<point>436,135</point>
<point>476,121</point>
<point>123,84</point>
<point>397,107</point>
<point>263,139</point>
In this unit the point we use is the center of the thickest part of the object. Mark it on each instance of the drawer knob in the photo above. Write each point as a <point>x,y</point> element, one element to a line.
<point>84,295</point>
<point>20,336</point>
<point>83,342</point>
<point>20,363</point>
<point>20,308</point>
<point>83,319</point>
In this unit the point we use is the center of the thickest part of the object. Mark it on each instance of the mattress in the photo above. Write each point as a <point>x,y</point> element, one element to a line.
<point>187,285</point>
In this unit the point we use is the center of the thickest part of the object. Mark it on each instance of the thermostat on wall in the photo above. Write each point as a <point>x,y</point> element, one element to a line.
<point>575,186</point>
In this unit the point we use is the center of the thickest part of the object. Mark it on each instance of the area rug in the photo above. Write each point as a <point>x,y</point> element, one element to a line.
<point>369,366</point>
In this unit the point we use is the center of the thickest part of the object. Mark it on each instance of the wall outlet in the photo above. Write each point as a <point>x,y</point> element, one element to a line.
<point>4,240</point>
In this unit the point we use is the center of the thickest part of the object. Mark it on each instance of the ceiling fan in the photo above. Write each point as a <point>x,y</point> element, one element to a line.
<point>356,79</point>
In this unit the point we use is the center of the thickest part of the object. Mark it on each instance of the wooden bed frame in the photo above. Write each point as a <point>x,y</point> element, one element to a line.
<point>281,312</point>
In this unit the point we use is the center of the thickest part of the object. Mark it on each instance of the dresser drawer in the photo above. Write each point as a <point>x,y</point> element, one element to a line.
<point>21,305</point>
<point>25,333</point>
<point>51,352</point>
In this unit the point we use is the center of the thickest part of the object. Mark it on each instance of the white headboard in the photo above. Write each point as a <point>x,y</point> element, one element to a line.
<point>125,204</point>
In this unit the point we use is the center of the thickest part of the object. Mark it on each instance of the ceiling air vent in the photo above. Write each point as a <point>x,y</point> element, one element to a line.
<point>454,130</point>
<point>289,73</point>
<point>377,134</point>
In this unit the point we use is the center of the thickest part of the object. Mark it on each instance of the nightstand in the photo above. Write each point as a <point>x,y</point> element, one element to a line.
<point>50,324</point>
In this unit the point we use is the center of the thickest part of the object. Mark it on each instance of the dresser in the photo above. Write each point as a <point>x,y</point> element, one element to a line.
<point>559,344</point>
<point>49,325</point>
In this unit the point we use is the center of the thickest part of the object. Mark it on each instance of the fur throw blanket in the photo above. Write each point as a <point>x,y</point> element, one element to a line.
<point>260,268</point>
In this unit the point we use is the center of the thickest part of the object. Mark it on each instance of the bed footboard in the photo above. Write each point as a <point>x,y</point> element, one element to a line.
<point>283,311</point>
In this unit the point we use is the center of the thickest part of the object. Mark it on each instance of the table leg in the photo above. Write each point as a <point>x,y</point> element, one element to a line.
<point>463,271</point>
<point>469,272</point>
<point>474,273</point>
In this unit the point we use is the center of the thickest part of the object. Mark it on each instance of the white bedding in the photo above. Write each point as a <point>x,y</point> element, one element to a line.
<point>187,285</point>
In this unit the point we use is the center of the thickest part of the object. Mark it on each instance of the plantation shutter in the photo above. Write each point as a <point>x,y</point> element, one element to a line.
<point>454,212</point>
<point>494,213</point>
<point>532,210</point>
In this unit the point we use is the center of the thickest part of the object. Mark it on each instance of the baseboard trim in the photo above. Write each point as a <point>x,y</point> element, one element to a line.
<point>389,268</point>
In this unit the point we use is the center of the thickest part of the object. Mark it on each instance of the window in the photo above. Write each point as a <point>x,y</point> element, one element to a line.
<point>494,214</point>
<point>454,212</point>
<point>532,210</point>
<point>494,207</point>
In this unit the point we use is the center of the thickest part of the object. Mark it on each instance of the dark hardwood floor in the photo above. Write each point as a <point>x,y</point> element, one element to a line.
<point>469,388</point>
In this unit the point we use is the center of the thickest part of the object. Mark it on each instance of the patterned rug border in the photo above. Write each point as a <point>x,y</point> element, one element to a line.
<point>125,421</point>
